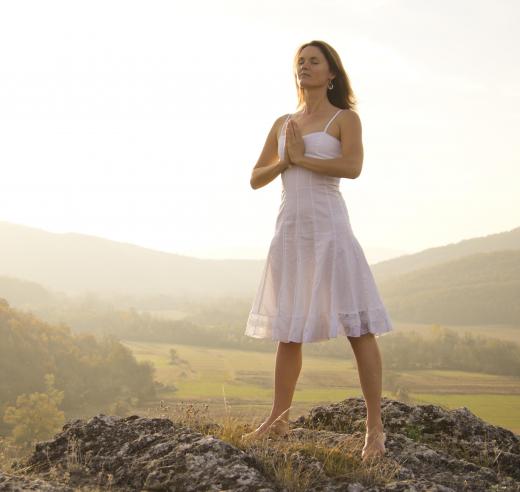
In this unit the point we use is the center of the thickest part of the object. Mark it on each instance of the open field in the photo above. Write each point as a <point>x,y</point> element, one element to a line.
<point>245,379</point>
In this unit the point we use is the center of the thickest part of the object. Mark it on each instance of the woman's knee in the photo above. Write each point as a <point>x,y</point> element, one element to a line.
<point>361,338</point>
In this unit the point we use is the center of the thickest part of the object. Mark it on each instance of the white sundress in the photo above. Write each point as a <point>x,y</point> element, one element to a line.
<point>316,283</point>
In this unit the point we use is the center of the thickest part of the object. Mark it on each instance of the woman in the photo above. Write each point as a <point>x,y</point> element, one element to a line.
<point>316,283</point>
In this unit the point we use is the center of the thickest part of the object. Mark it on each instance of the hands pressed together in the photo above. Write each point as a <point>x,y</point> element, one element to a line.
<point>294,144</point>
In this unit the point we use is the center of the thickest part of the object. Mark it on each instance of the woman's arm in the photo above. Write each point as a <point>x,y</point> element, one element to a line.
<point>269,165</point>
<point>341,167</point>
<point>265,174</point>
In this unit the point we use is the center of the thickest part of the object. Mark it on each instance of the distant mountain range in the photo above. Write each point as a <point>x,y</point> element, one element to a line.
<point>440,254</point>
<point>75,263</point>
<point>477,278</point>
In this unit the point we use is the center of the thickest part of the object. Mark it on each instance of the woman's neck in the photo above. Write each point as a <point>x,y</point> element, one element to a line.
<point>315,103</point>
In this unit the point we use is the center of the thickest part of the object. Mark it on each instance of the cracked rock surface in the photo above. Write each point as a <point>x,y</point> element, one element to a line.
<point>136,453</point>
<point>446,449</point>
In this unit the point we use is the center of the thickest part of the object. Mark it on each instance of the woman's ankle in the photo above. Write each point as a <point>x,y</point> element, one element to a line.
<point>279,420</point>
<point>279,417</point>
<point>374,426</point>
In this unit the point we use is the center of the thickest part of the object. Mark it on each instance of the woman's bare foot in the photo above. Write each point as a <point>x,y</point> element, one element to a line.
<point>278,427</point>
<point>374,443</point>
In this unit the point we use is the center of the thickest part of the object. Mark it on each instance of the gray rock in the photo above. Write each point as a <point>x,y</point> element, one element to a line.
<point>14,483</point>
<point>428,449</point>
<point>453,449</point>
<point>135,453</point>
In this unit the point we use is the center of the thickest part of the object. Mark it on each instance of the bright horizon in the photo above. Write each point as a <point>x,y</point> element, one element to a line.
<point>141,123</point>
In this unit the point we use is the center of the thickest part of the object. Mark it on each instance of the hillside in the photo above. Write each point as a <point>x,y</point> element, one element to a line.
<point>471,282</point>
<point>482,288</point>
<point>75,263</point>
<point>21,292</point>
<point>441,254</point>
<point>87,370</point>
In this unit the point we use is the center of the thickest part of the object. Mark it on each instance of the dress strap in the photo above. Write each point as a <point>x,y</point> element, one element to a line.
<point>330,121</point>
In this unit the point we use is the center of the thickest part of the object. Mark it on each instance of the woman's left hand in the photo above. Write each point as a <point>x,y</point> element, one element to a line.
<point>294,142</point>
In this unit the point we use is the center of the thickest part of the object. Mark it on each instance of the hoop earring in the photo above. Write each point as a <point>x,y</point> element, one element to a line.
<point>330,85</point>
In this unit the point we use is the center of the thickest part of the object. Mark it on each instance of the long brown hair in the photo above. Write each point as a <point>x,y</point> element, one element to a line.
<point>341,95</point>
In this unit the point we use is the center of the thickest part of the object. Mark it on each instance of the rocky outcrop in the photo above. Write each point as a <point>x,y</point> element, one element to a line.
<point>428,449</point>
<point>444,449</point>
<point>136,453</point>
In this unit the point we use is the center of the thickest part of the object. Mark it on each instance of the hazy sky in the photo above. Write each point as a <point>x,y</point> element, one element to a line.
<point>141,121</point>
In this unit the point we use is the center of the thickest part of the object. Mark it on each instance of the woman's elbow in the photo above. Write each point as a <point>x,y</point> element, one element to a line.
<point>356,170</point>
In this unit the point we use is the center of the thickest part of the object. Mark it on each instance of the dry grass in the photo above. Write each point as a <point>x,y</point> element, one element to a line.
<point>294,462</point>
<point>9,453</point>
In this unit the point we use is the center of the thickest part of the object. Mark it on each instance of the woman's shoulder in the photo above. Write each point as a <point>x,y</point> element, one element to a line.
<point>283,117</point>
<point>349,116</point>
<point>280,120</point>
<point>348,113</point>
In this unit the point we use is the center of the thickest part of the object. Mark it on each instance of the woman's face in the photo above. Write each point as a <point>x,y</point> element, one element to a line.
<point>312,68</point>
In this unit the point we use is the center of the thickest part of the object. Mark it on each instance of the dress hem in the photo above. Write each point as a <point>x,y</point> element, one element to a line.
<point>352,324</point>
